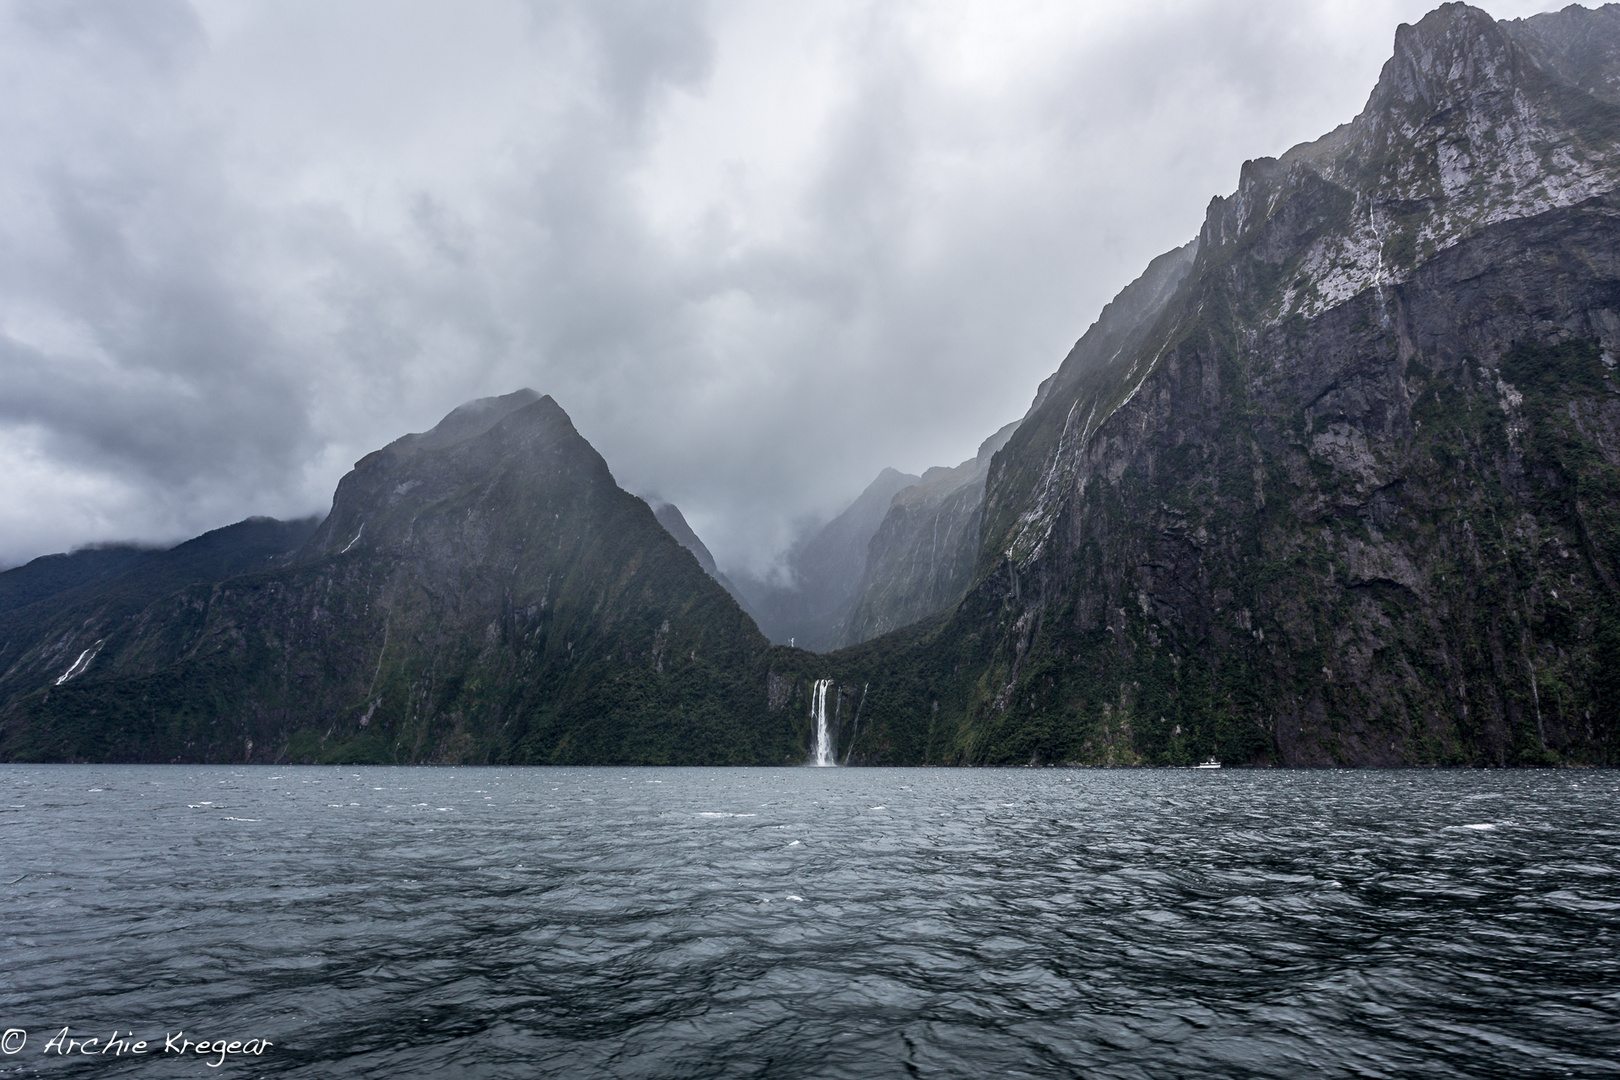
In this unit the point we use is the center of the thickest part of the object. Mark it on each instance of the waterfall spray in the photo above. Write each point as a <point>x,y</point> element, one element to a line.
<point>823,754</point>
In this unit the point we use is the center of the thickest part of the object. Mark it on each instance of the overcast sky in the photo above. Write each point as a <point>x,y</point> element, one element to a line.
<point>757,251</point>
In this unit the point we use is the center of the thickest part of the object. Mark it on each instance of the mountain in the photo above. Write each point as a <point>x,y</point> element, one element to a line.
<point>1352,495</point>
<point>674,522</point>
<point>877,567</point>
<point>51,574</point>
<point>824,572</point>
<point>922,556</point>
<point>1338,482</point>
<point>59,601</point>
<point>481,592</point>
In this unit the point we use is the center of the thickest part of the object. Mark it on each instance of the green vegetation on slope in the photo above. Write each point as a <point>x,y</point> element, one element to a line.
<point>484,593</point>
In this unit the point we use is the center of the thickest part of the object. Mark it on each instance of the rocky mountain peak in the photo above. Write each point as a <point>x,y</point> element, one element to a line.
<point>474,418</point>
<point>481,592</point>
<point>1581,44</point>
<point>523,438</point>
<point>1473,122</point>
<point>1453,53</point>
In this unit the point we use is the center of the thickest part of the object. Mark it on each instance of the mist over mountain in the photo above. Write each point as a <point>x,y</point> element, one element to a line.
<point>1335,482</point>
<point>921,558</point>
<point>823,572</point>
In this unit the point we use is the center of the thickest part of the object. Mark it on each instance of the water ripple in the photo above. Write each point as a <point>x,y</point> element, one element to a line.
<point>827,923</point>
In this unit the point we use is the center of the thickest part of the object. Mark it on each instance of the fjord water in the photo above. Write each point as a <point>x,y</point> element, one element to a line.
<point>417,922</point>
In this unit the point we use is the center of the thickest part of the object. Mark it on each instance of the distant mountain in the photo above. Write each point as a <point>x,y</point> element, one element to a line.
<point>825,572</point>
<point>922,556</point>
<point>904,549</point>
<point>482,592</point>
<point>674,523</point>
<point>1344,488</point>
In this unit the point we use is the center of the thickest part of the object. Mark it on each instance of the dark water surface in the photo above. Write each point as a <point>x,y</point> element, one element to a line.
<point>397,922</point>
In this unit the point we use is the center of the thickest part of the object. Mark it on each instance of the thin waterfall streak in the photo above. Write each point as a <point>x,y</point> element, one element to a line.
<point>823,755</point>
<point>855,724</point>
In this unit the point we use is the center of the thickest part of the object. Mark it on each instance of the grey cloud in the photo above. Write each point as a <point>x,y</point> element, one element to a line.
<point>638,48</point>
<point>241,248</point>
<point>181,378</point>
<point>163,34</point>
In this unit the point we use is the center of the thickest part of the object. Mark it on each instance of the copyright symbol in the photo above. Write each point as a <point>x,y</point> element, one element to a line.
<point>12,1041</point>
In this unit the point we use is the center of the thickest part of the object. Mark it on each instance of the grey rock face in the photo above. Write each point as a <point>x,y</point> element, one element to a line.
<point>1352,496</point>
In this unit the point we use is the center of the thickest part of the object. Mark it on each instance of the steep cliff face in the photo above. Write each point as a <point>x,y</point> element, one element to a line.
<point>1353,496</point>
<point>924,555</point>
<point>1102,355</point>
<point>480,592</point>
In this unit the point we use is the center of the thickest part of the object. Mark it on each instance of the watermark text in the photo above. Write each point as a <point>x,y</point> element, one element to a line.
<point>121,1044</point>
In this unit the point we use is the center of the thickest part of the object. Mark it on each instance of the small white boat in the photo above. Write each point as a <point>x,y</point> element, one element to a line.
<point>1210,764</point>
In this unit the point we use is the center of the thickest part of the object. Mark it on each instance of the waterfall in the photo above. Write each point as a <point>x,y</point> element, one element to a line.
<point>823,754</point>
